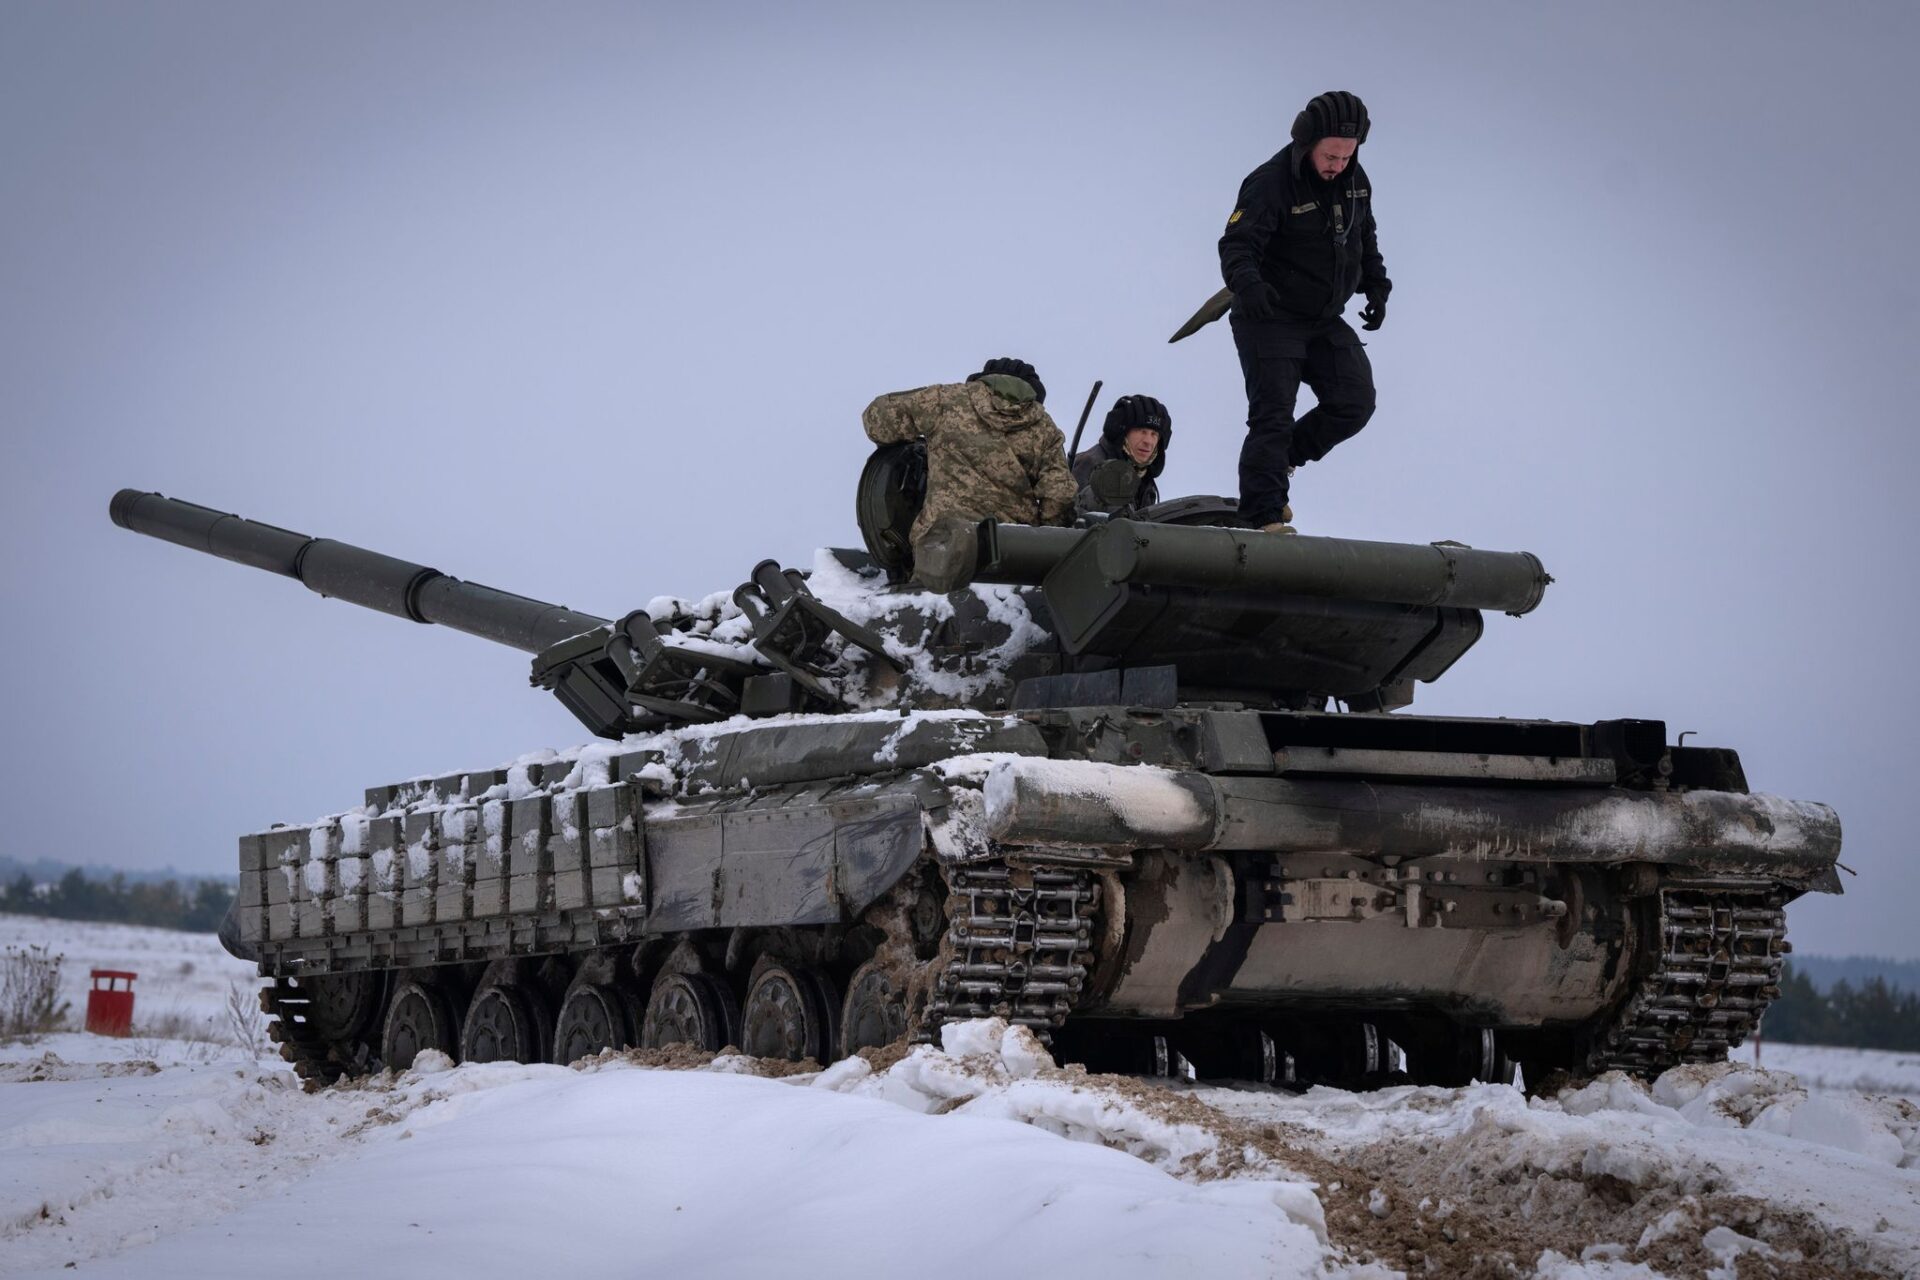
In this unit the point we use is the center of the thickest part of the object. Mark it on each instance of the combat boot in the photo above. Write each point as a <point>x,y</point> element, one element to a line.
<point>1284,524</point>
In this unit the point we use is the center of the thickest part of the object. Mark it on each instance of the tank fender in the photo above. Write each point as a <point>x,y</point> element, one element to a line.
<point>1715,832</point>
<point>782,754</point>
<point>1074,802</point>
<point>230,938</point>
<point>1080,803</point>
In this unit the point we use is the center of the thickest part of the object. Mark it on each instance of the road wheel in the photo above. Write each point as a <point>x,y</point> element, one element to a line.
<point>592,1018</point>
<point>875,1011</point>
<point>418,1019</point>
<point>1452,1056</point>
<point>787,1015</point>
<point>688,1008</point>
<point>500,1026</point>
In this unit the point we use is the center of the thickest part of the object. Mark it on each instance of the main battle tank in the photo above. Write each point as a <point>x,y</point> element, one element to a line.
<point>1143,785</point>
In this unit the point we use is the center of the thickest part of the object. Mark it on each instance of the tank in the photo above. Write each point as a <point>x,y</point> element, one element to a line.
<point>1147,785</point>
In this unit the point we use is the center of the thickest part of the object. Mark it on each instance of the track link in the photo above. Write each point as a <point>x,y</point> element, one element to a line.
<point>1721,954</point>
<point>316,1059</point>
<point>1021,941</point>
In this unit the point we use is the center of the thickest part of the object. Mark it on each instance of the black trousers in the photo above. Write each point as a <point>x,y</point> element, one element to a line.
<point>1276,358</point>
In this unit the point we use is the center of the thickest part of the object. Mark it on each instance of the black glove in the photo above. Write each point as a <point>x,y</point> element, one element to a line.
<point>1257,301</point>
<point>1374,314</point>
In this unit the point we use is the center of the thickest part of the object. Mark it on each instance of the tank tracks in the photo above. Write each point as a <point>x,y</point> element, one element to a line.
<point>1021,939</point>
<point>1721,953</point>
<point>317,1059</point>
<point>1021,942</point>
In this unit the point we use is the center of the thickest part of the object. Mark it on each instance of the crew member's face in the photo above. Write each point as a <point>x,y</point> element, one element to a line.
<point>1141,444</point>
<point>1331,156</point>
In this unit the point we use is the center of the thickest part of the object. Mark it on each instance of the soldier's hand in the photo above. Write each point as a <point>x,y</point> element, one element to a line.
<point>1374,314</point>
<point>1258,301</point>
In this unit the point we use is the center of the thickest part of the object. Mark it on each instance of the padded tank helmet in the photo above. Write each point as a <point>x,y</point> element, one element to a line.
<point>1013,368</point>
<point>1333,114</point>
<point>1129,412</point>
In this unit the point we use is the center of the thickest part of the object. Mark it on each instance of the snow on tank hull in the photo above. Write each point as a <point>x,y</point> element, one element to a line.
<point>1094,790</point>
<point>1231,899</point>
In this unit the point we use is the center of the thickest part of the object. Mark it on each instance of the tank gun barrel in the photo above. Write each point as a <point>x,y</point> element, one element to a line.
<point>354,574</point>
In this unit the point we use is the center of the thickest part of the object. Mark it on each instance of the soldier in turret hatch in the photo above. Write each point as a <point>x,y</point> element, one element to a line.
<point>1300,243</point>
<point>991,448</point>
<point>1137,429</point>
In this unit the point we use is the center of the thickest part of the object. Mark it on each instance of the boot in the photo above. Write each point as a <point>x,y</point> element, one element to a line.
<point>1278,526</point>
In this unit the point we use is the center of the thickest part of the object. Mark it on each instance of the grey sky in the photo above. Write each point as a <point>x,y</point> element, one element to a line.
<point>584,301</point>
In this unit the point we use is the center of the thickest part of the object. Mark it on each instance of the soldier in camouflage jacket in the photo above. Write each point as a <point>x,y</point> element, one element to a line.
<point>991,450</point>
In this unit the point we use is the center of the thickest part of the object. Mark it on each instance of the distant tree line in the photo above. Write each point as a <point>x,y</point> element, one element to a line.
<point>1871,1015</point>
<point>1901,975</point>
<point>163,904</point>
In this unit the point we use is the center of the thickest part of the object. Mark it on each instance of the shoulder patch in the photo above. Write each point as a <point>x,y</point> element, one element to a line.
<point>1236,216</point>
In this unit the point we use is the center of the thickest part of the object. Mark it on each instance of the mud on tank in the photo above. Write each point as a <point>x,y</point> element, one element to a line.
<point>1143,785</point>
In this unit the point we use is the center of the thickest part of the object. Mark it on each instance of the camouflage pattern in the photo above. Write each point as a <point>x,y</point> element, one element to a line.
<point>988,454</point>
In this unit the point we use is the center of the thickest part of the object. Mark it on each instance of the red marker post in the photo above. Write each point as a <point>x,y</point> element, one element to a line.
<point>110,1006</point>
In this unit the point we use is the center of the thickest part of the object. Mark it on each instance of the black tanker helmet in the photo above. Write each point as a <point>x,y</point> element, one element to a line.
<point>1332,115</point>
<point>1129,412</point>
<point>1013,368</point>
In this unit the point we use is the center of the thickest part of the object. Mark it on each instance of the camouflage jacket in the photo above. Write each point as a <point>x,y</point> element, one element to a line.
<point>987,454</point>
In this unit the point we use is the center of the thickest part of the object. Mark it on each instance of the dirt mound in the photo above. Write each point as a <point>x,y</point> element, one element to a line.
<point>1482,1206</point>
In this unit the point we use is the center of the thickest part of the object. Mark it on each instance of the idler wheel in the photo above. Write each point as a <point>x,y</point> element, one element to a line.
<point>689,1008</point>
<point>592,1018</point>
<point>417,1020</point>
<point>337,1006</point>
<point>500,1027</point>
<point>875,1010</point>
<point>787,1015</point>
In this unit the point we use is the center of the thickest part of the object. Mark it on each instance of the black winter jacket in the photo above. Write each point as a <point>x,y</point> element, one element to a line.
<point>1313,241</point>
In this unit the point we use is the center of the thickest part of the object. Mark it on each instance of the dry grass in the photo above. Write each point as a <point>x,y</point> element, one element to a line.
<point>246,1024</point>
<point>30,1003</point>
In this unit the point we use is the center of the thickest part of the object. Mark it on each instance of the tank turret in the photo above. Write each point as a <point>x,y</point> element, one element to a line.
<point>1216,612</point>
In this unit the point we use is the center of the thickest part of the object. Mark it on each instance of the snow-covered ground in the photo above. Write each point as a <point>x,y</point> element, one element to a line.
<point>185,979</point>
<point>159,1157</point>
<point>1824,1070</point>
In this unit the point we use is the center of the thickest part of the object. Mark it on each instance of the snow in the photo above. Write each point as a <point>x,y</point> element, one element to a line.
<point>862,599</point>
<point>1143,798</point>
<point>1823,1069</point>
<point>185,979</point>
<point>163,1156</point>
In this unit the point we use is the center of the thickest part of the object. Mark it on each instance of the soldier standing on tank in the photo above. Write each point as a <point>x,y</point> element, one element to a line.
<point>1300,243</point>
<point>1137,428</point>
<point>992,451</point>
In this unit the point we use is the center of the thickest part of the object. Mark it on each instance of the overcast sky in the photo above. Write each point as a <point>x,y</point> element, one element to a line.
<point>584,301</point>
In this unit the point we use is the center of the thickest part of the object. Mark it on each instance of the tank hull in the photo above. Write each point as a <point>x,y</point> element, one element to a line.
<point>976,865</point>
